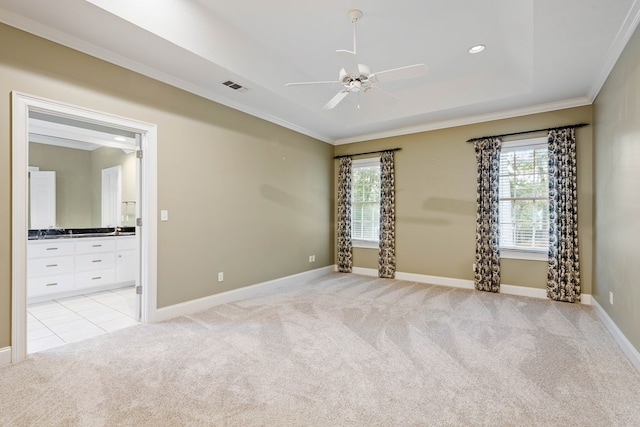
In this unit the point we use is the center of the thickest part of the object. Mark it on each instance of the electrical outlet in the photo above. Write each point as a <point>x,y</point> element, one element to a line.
<point>164,215</point>
<point>473,267</point>
<point>611,298</point>
<point>312,258</point>
<point>220,276</point>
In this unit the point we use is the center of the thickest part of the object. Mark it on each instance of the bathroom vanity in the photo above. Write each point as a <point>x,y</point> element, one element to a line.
<point>73,262</point>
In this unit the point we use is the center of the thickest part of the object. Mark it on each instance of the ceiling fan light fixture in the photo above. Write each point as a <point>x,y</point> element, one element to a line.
<point>356,77</point>
<point>477,48</point>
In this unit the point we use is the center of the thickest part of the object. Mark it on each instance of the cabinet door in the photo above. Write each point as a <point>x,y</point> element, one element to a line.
<point>97,261</point>
<point>87,279</point>
<point>90,246</point>
<point>51,248</point>
<point>39,267</point>
<point>126,266</point>
<point>49,285</point>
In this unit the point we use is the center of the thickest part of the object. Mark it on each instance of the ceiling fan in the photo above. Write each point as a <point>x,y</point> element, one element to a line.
<point>358,78</point>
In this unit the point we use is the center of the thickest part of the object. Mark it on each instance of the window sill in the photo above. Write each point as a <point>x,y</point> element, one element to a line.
<point>524,254</point>
<point>367,244</point>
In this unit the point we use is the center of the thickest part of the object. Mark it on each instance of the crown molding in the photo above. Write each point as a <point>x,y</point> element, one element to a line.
<point>64,39</point>
<point>507,114</point>
<point>627,29</point>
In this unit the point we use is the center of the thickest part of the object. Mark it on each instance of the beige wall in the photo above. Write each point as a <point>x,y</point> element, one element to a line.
<point>245,196</point>
<point>436,195</point>
<point>73,186</point>
<point>617,200</point>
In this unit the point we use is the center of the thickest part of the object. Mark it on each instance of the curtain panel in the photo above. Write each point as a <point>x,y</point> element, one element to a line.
<point>563,275</point>
<point>345,257</point>
<point>487,272</point>
<point>387,245</point>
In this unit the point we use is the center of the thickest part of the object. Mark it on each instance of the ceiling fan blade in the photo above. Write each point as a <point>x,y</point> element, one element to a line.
<point>379,95</point>
<point>313,83</point>
<point>336,99</point>
<point>399,73</point>
<point>349,61</point>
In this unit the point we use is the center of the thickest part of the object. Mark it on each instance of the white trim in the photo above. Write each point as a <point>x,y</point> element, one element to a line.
<point>22,104</point>
<point>481,118</point>
<point>20,156</point>
<point>5,356</point>
<point>524,291</point>
<point>64,39</point>
<point>194,306</point>
<point>508,253</point>
<point>625,345</point>
<point>586,299</point>
<point>49,33</point>
<point>435,280</point>
<point>615,50</point>
<point>365,244</point>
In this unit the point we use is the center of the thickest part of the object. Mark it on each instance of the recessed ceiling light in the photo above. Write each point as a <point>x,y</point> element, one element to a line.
<point>120,138</point>
<point>477,48</point>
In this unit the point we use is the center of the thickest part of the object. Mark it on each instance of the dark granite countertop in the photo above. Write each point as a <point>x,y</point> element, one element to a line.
<point>67,233</point>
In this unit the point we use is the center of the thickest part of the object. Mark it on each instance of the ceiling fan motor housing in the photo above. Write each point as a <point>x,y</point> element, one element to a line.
<point>362,76</point>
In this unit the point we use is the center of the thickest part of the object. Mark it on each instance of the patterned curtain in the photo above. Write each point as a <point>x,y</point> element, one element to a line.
<point>563,276</point>
<point>345,258</point>
<point>487,274</point>
<point>387,249</point>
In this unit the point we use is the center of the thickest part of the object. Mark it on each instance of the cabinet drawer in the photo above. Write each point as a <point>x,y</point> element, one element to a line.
<point>125,243</point>
<point>39,249</point>
<point>97,261</point>
<point>50,266</point>
<point>39,286</point>
<point>95,245</point>
<point>88,279</point>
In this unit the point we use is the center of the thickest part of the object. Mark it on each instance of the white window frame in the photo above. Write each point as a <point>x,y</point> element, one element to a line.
<point>361,243</point>
<point>535,254</point>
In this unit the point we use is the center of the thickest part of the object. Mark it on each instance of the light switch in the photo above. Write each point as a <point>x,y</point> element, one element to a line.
<point>164,215</point>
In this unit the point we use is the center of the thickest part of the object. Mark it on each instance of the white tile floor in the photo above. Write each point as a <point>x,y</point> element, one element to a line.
<point>56,322</point>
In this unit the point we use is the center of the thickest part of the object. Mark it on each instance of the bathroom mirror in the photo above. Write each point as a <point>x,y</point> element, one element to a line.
<point>95,171</point>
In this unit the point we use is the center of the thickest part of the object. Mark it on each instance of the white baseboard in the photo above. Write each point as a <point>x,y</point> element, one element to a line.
<point>434,280</point>
<point>523,291</point>
<point>5,356</point>
<point>190,307</point>
<point>466,284</point>
<point>627,348</point>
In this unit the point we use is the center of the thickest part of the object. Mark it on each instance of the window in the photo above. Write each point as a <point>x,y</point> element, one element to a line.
<point>365,202</point>
<point>524,197</point>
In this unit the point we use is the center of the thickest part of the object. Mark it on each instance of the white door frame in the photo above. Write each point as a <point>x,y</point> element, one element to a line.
<point>22,105</point>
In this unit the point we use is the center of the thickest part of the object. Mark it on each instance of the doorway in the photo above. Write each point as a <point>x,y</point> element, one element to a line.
<point>26,107</point>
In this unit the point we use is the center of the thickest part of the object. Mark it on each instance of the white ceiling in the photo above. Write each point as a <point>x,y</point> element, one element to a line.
<point>541,55</point>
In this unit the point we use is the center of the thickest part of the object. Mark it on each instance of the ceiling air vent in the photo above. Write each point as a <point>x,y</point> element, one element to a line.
<point>235,86</point>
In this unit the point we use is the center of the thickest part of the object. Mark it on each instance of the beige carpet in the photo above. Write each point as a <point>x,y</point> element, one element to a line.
<point>340,350</point>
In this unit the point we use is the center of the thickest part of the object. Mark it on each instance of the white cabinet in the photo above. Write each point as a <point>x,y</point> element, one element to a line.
<point>65,267</point>
<point>50,267</point>
<point>126,260</point>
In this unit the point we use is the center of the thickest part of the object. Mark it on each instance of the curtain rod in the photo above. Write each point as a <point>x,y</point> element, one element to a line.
<point>579,125</point>
<point>368,152</point>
